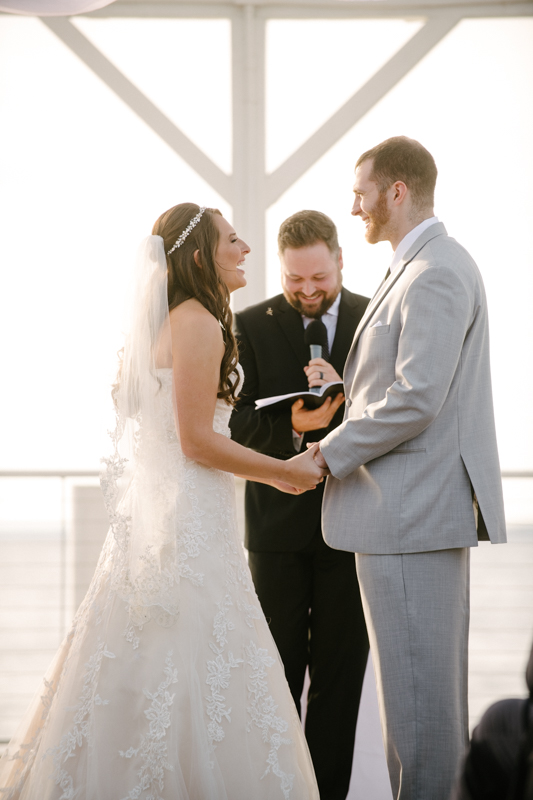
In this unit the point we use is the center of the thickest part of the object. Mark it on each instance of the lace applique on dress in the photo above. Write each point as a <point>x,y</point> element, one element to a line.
<point>79,734</point>
<point>153,750</point>
<point>263,709</point>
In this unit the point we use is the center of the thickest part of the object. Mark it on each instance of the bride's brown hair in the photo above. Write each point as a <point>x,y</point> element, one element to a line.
<point>187,279</point>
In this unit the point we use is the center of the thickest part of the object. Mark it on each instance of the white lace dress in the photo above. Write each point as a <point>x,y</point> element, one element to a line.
<point>199,710</point>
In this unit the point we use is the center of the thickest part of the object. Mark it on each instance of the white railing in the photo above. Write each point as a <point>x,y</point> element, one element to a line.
<point>63,475</point>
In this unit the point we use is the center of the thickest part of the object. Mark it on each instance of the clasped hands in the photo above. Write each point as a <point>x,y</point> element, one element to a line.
<point>303,472</point>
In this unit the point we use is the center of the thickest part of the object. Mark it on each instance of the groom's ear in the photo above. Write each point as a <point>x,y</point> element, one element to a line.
<point>196,256</point>
<point>399,192</point>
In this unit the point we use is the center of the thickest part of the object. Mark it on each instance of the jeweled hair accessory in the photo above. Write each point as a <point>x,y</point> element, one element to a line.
<point>192,224</point>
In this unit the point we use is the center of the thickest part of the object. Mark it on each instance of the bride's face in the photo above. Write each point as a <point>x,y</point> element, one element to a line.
<point>230,254</point>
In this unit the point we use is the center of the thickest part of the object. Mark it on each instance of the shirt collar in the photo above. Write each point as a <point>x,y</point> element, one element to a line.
<point>409,239</point>
<point>334,307</point>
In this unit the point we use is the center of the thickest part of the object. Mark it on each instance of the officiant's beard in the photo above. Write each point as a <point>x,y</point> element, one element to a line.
<point>312,310</point>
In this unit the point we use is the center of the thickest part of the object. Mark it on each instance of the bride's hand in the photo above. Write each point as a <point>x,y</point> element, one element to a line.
<point>286,487</point>
<point>303,471</point>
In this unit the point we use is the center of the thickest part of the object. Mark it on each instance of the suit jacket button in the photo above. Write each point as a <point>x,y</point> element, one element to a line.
<point>348,402</point>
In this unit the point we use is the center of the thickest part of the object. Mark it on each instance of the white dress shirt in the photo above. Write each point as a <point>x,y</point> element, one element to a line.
<point>409,239</point>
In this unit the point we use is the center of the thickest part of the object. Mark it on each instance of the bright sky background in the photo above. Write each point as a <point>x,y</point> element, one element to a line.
<point>83,179</point>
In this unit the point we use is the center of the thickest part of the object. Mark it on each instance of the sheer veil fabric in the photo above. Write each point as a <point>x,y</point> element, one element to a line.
<point>168,685</point>
<point>148,579</point>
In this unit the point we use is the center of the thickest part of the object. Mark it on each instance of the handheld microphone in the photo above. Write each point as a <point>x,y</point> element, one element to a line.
<point>316,336</point>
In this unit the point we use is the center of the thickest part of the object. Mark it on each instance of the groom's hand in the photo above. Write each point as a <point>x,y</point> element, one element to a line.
<point>302,471</point>
<point>304,419</point>
<point>318,458</point>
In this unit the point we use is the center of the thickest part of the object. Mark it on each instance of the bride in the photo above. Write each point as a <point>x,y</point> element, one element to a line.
<point>168,685</point>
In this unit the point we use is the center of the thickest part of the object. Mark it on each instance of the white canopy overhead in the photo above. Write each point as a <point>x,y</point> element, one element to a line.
<point>52,8</point>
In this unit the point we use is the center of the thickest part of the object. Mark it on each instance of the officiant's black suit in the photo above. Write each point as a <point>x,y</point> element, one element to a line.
<point>308,591</point>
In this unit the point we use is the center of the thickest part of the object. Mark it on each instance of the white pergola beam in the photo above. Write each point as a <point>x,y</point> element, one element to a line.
<point>358,105</point>
<point>141,105</point>
<point>314,9</point>
<point>375,9</point>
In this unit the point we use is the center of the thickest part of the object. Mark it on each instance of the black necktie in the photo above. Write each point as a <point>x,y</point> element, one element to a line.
<point>325,345</point>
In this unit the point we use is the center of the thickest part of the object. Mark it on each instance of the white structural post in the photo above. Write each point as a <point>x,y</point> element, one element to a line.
<point>248,69</point>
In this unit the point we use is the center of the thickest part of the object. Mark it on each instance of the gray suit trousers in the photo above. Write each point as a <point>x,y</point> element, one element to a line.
<point>416,607</point>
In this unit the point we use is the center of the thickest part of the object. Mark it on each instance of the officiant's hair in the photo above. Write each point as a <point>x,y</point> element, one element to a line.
<point>186,279</point>
<point>403,159</point>
<point>306,228</point>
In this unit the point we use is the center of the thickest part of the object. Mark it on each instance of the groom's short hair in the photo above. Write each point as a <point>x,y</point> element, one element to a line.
<point>306,228</point>
<point>403,159</point>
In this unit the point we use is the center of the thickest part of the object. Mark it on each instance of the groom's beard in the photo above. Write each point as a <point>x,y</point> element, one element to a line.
<point>379,218</point>
<point>318,308</point>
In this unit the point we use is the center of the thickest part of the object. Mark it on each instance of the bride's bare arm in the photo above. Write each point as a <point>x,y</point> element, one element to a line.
<point>197,349</point>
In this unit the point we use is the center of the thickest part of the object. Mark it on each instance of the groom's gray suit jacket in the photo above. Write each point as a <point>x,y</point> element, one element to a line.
<point>418,436</point>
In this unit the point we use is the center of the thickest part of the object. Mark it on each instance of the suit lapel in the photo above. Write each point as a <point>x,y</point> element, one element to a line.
<point>291,323</point>
<point>378,299</point>
<point>437,229</point>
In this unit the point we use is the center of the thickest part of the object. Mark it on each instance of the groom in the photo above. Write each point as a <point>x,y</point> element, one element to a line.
<point>415,462</point>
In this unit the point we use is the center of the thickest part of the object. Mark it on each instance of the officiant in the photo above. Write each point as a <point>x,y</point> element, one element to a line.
<point>308,591</point>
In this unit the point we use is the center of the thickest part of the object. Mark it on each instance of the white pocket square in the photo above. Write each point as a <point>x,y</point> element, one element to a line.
<point>377,324</point>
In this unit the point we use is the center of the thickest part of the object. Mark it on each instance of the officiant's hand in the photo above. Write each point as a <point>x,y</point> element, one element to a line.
<point>320,372</point>
<point>305,419</point>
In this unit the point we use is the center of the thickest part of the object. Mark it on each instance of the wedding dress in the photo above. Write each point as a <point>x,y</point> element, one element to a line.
<point>169,685</point>
<point>198,710</point>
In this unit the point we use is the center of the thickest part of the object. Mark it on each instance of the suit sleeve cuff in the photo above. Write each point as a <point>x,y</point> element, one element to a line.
<point>340,463</point>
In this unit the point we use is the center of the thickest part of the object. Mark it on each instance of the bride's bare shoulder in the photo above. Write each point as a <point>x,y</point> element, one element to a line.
<point>192,318</point>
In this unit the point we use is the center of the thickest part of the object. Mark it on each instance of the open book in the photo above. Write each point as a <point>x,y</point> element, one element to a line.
<point>311,399</point>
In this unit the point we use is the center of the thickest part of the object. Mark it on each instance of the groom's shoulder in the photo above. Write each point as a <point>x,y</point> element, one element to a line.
<point>440,243</point>
<point>446,253</point>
